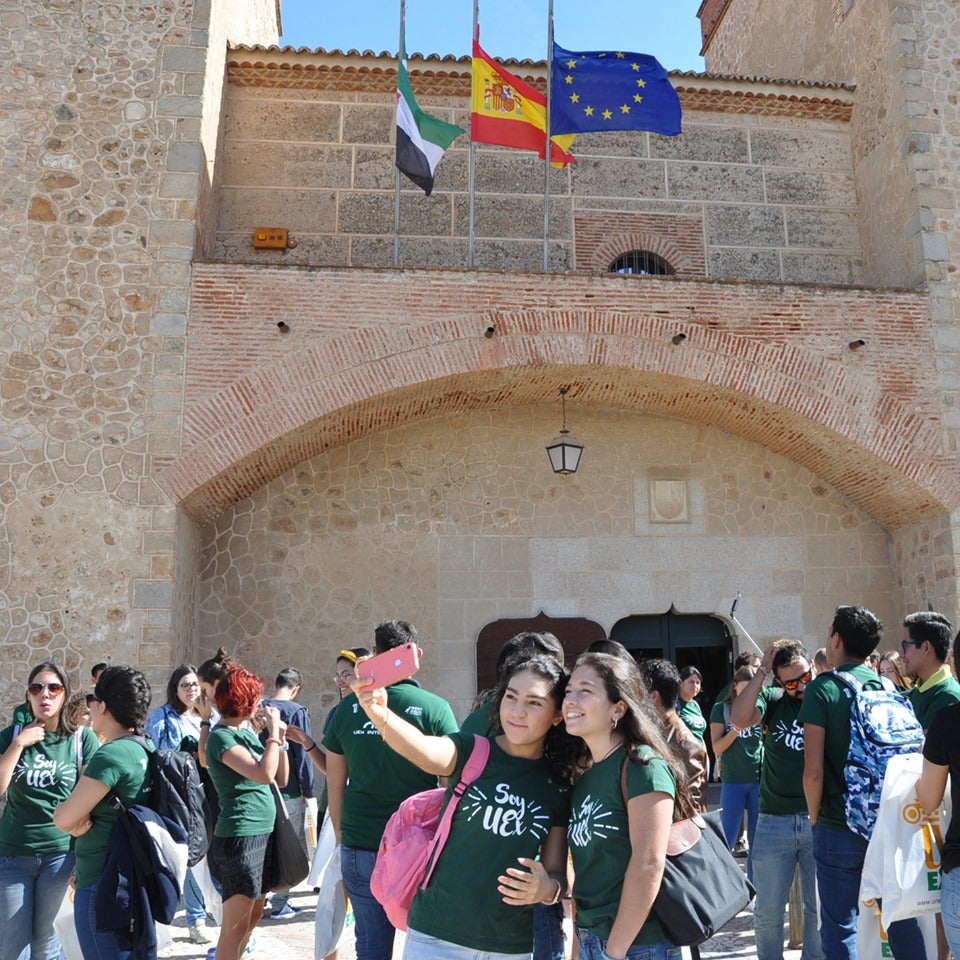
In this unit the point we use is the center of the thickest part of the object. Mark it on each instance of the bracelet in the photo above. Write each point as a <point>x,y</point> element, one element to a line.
<point>204,723</point>
<point>312,747</point>
<point>275,740</point>
<point>555,899</point>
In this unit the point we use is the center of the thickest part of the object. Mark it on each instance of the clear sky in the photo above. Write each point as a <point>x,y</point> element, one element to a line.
<point>667,29</point>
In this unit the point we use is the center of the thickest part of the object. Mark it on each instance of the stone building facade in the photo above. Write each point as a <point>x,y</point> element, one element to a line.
<point>178,472</point>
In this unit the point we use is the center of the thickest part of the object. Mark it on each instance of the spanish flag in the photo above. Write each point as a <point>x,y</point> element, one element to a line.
<point>509,113</point>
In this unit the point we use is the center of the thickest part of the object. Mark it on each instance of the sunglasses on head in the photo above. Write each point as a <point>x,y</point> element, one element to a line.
<point>37,688</point>
<point>804,678</point>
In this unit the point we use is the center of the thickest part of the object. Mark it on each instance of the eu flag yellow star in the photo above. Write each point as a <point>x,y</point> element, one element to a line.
<point>625,91</point>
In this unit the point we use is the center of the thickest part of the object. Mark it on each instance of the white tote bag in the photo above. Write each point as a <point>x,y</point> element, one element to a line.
<point>902,865</point>
<point>872,943</point>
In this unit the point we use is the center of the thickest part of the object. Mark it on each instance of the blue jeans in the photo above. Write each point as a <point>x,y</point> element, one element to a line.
<point>839,855</point>
<point>783,841</point>
<point>374,930</point>
<point>950,909</point>
<point>93,944</point>
<point>734,799</point>
<point>420,946</point>
<point>548,932</point>
<point>31,891</point>
<point>592,947</point>
<point>193,903</point>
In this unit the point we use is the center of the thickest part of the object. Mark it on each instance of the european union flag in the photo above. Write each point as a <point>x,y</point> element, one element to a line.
<point>611,90</point>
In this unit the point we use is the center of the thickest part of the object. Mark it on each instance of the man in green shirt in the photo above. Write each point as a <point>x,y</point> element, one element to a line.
<point>367,781</point>
<point>926,646</point>
<point>839,851</point>
<point>783,838</point>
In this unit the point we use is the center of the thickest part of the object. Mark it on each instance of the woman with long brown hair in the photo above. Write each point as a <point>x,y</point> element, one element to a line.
<point>40,763</point>
<point>619,847</point>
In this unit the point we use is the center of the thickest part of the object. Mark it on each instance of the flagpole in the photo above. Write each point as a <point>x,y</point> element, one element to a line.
<point>396,187</point>
<point>473,157</point>
<point>547,146</point>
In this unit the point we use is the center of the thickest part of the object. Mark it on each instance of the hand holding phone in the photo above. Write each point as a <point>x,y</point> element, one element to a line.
<point>391,666</point>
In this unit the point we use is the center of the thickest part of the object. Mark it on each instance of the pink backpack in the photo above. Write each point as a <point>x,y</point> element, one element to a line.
<point>414,837</point>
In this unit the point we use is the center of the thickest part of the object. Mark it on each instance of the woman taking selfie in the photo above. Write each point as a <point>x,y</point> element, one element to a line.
<point>40,762</point>
<point>515,811</point>
<point>118,708</point>
<point>241,768</point>
<point>619,850</point>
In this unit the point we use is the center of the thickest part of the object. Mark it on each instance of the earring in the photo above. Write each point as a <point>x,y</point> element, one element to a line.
<point>616,720</point>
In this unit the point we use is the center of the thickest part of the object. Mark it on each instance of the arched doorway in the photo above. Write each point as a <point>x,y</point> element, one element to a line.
<point>575,633</point>
<point>700,640</point>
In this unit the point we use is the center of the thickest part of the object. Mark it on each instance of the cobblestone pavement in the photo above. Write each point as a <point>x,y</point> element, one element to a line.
<point>293,939</point>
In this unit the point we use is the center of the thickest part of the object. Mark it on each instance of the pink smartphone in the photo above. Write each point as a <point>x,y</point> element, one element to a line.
<point>394,665</point>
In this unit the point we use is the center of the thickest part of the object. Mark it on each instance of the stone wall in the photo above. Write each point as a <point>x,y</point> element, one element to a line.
<point>101,148</point>
<point>457,521</point>
<point>765,195</point>
<point>904,57</point>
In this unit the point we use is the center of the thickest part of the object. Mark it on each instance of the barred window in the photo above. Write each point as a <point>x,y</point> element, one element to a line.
<point>642,263</point>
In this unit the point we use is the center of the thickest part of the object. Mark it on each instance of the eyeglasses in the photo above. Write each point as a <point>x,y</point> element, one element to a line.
<point>344,676</point>
<point>911,643</point>
<point>190,685</point>
<point>804,678</point>
<point>37,688</point>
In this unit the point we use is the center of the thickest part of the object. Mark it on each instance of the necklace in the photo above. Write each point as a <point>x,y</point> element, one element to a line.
<point>619,743</point>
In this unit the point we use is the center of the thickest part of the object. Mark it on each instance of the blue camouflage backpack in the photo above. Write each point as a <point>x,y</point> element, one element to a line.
<point>882,725</point>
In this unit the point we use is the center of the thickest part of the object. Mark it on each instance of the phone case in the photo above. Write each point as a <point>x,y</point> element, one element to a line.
<point>393,665</point>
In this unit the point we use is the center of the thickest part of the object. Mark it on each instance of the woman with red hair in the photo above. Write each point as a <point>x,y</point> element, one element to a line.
<point>241,768</point>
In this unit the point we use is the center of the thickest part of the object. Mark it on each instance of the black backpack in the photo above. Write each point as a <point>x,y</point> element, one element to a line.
<point>178,795</point>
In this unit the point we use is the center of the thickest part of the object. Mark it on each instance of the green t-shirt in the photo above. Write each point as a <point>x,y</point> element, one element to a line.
<point>122,766</point>
<point>505,813</point>
<point>380,779</point>
<point>599,837</point>
<point>781,776</point>
<point>43,778</point>
<point>827,704</point>
<point>690,713</point>
<point>931,701</point>
<point>247,808</point>
<point>740,762</point>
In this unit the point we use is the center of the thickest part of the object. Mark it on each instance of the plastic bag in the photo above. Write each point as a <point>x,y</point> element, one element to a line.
<point>902,865</point>
<point>872,941</point>
<point>310,824</point>
<point>334,923</point>
<point>211,896</point>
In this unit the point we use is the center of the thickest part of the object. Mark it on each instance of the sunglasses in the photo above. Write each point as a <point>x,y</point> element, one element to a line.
<point>804,678</point>
<point>37,688</point>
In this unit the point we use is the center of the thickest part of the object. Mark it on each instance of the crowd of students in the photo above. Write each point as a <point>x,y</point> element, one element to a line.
<point>587,769</point>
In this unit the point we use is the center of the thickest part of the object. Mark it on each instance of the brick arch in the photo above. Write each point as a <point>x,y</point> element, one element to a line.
<point>827,416</point>
<point>621,243</point>
<point>678,238</point>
